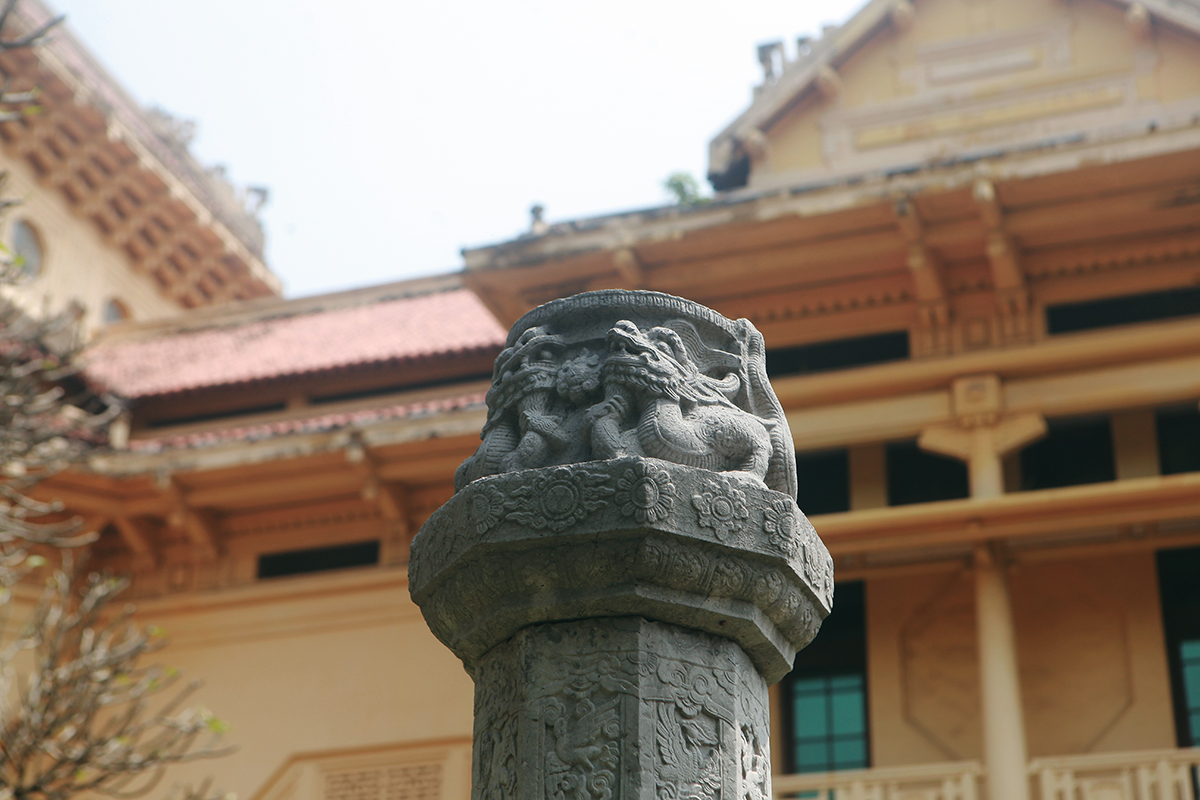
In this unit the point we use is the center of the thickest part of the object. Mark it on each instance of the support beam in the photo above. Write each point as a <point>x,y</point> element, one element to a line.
<point>137,537</point>
<point>982,434</point>
<point>926,270</point>
<point>395,504</point>
<point>198,525</point>
<point>1008,277</point>
<point>1004,751</point>
<point>201,529</point>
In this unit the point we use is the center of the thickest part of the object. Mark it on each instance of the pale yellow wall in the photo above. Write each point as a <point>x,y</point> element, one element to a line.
<point>1178,65</point>
<point>1090,647</point>
<point>920,632</point>
<point>795,142</point>
<point>1092,655</point>
<point>1025,69</point>
<point>1100,38</point>
<point>77,263</point>
<point>872,74</point>
<point>310,663</point>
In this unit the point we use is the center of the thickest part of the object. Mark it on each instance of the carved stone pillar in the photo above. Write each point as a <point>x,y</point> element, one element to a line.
<point>623,569</point>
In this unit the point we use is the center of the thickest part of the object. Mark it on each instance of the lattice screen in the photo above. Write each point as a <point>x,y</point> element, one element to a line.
<point>399,782</point>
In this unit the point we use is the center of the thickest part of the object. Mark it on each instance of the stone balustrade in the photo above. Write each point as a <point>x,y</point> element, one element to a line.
<point>1142,775</point>
<point>956,780</point>
<point>1145,775</point>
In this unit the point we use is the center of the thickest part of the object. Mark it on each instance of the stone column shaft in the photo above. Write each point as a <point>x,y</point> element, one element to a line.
<point>620,708</point>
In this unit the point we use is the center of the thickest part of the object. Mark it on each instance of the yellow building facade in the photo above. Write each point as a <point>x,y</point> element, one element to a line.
<point>970,233</point>
<point>113,213</point>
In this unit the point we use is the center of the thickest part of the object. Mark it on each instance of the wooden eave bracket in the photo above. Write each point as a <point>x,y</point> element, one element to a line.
<point>981,427</point>
<point>198,525</point>
<point>1008,276</point>
<point>137,537</point>
<point>394,502</point>
<point>1000,437</point>
<point>924,266</point>
<point>61,173</point>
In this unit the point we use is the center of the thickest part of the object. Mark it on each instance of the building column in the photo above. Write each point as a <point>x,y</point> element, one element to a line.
<point>1004,751</point>
<point>981,435</point>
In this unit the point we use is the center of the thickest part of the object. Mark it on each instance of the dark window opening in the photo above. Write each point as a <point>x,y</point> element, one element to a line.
<point>823,481</point>
<point>396,388</point>
<point>918,476</point>
<point>1073,452</point>
<point>1178,439</point>
<point>318,559</point>
<point>216,415</point>
<point>825,695</point>
<point>1180,594</point>
<point>1125,310</point>
<point>838,354</point>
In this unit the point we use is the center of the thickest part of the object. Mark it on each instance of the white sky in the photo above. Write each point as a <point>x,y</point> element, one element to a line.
<point>393,133</point>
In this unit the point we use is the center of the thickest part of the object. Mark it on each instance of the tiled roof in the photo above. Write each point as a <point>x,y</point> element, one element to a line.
<point>317,424</point>
<point>428,325</point>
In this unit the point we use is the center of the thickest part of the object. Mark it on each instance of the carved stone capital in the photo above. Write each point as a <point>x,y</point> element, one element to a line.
<point>629,536</point>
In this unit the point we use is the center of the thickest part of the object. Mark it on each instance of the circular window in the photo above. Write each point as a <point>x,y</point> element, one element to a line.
<point>27,248</point>
<point>115,311</point>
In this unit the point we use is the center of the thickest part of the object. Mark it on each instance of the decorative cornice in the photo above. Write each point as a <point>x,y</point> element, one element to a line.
<point>145,195</point>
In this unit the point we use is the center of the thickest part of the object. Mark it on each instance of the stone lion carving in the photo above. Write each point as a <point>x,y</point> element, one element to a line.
<point>602,375</point>
<point>679,413</point>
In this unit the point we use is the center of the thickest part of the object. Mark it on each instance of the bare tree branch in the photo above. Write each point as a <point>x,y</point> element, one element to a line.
<point>93,717</point>
<point>89,716</point>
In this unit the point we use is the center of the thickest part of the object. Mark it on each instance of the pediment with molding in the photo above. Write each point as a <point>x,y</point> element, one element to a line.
<point>908,84</point>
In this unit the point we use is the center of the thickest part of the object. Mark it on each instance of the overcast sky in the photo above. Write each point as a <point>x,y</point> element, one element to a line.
<point>393,133</point>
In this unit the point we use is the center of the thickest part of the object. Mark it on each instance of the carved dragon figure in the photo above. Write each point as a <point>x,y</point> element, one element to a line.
<point>523,431</point>
<point>679,412</point>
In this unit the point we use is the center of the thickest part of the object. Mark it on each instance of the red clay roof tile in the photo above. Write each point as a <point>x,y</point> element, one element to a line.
<point>441,323</point>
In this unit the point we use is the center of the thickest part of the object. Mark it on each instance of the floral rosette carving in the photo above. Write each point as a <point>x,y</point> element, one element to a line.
<point>487,507</point>
<point>646,493</point>
<point>722,508</point>
<point>558,500</point>
<point>781,521</point>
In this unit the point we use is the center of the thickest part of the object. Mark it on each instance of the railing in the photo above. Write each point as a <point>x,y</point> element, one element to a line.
<point>401,771</point>
<point>958,780</point>
<point>1147,775</point>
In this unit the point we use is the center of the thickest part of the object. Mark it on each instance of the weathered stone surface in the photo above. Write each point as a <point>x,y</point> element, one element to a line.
<point>620,373</point>
<point>631,536</point>
<point>623,568</point>
<point>619,709</point>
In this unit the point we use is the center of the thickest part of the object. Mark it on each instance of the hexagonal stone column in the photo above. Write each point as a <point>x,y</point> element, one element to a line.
<point>623,569</point>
